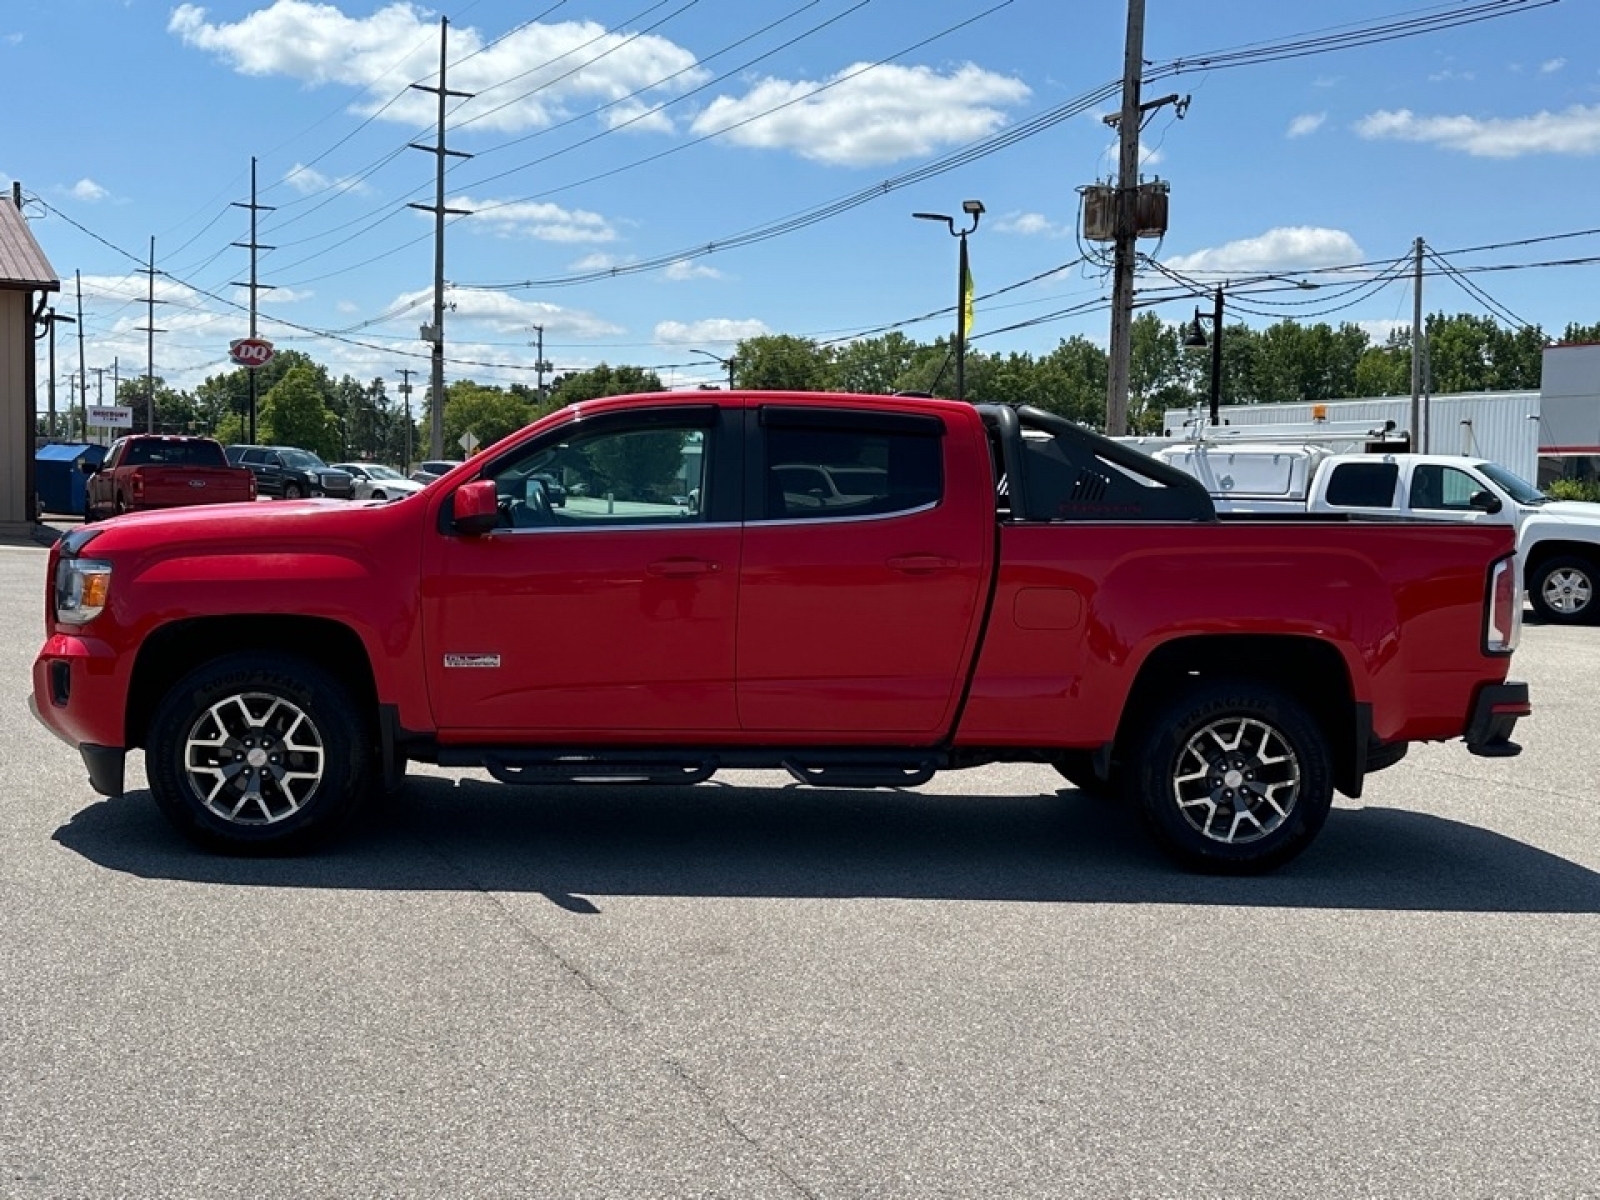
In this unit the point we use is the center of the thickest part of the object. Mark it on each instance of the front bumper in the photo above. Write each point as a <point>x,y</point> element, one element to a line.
<point>107,765</point>
<point>1494,717</point>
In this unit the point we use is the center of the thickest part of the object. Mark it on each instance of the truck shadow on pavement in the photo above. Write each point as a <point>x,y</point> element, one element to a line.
<point>577,846</point>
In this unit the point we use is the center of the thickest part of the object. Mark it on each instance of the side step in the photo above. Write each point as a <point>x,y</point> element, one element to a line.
<point>831,768</point>
<point>596,768</point>
<point>862,773</point>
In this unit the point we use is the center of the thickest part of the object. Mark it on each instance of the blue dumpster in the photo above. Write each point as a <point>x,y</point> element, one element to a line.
<point>59,479</point>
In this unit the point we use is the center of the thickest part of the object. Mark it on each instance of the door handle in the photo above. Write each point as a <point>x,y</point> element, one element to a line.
<point>683,568</point>
<point>920,564</point>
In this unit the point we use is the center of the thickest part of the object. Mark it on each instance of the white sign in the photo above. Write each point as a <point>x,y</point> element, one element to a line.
<point>469,441</point>
<point>111,416</point>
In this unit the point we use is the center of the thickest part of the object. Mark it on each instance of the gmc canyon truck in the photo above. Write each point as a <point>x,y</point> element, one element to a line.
<point>983,584</point>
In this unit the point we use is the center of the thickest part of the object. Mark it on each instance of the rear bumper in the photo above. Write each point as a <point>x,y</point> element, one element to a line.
<point>1494,717</point>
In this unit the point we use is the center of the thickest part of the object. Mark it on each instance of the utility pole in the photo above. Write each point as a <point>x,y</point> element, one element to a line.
<point>84,375</point>
<point>539,364</point>
<point>405,390</point>
<point>150,332</point>
<point>52,317</point>
<point>1126,233</point>
<point>1418,444</point>
<point>253,246</point>
<point>434,334</point>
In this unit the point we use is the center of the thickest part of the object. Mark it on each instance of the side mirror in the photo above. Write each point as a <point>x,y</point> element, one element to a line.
<point>87,467</point>
<point>1485,501</point>
<point>475,507</point>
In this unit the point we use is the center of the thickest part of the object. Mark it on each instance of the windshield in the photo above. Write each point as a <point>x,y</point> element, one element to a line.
<point>1519,488</point>
<point>301,458</point>
<point>384,473</point>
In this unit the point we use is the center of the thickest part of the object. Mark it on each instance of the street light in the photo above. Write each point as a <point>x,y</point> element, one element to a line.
<point>727,362</point>
<point>1196,337</point>
<point>975,210</point>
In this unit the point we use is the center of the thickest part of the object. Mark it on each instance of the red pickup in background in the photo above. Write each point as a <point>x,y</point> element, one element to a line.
<point>149,471</point>
<point>860,590</point>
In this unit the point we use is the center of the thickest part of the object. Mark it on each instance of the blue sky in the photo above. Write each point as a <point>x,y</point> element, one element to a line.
<point>612,142</point>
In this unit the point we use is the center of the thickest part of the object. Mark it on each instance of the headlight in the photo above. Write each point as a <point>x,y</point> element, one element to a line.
<point>83,585</point>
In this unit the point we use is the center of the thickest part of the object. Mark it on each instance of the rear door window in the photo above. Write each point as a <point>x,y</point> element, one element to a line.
<point>1363,485</point>
<point>827,464</point>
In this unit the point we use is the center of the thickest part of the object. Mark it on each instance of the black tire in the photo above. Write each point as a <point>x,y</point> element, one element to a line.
<point>378,496</point>
<point>292,491</point>
<point>1077,768</point>
<point>271,720</point>
<point>1562,590</point>
<point>1220,744</point>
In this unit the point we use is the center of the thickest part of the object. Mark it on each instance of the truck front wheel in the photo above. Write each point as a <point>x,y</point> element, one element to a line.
<point>1562,591</point>
<point>258,753</point>
<point>1233,778</point>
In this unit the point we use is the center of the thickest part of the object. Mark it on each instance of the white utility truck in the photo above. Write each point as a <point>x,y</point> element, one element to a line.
<point>1558,541</point>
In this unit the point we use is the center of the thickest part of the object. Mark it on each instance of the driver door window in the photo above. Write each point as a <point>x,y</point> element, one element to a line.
<point>654,475</point>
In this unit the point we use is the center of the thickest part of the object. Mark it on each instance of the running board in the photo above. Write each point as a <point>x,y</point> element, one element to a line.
<point>578,768</point>
<point>849,774</point>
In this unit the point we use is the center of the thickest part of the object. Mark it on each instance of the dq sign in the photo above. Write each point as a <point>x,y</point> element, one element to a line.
<point>251,352</point>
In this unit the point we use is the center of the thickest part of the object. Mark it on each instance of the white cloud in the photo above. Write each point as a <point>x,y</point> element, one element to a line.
<point>685,269</point>
<point>13,39</point>
<point>867,117</point>
<point>1574,132</point>
<point>1380,330</point>
<point>632,115</point>
<point>1287,249</point>
<point>501,314</point>
<point>529,219</point>
<point>305,180</point>
<point>1306,124</point>
<point>1031,225</point>
<point>1551,66</point>
<point>721,330</point>
<point>597,262</point>
<point>88,191</point>
<point>525,80</point>
<point>1449,76</point>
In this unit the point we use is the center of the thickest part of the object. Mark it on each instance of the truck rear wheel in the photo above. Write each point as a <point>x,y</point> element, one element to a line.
<point>1233,778</point>
<point>1562,591</point>
<point>258,754</point>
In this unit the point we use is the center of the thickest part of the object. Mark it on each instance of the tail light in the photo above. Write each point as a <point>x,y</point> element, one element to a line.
<point>136,480</point>
<point>1503,628</point>
<point>252,485</point>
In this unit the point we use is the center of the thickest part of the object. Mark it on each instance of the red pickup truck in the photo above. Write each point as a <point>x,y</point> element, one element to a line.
<point>149,470</point>
<point>974,584</point>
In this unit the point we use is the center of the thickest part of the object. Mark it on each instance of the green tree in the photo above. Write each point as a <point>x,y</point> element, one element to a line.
<point>781,362</point>
<point>872,366</point>
<point>1158,371</point>
<point>488,412</point>
<point>603,380</point>
<point>1071,380</point>
<point>295,413</point>
<point>174,410</point>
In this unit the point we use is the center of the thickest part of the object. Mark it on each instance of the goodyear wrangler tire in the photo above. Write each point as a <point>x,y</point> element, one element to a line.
<point>258,754</point>
<point>1234,778</point>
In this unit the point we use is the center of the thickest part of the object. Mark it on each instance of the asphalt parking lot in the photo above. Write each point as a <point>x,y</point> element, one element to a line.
<point>989,987</point>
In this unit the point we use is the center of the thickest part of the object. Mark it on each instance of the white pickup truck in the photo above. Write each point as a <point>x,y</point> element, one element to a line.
<point>1558,541</point>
